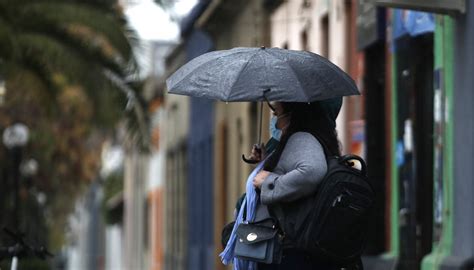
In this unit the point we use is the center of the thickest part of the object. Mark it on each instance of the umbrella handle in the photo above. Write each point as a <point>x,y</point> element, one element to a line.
<point>249,161</point>
<point>252,161</point>
<point>257,146</point>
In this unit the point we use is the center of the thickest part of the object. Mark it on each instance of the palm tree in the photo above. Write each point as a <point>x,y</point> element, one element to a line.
<point>69,68</point>
<point>66,42</point>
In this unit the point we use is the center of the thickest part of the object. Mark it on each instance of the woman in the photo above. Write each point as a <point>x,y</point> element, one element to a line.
<point>296,167</point>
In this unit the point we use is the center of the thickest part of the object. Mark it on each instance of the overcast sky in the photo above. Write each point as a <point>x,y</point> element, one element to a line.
<point>152,22</point>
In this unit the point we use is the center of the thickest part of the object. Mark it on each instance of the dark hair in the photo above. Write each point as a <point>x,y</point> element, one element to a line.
<point>311,118</point>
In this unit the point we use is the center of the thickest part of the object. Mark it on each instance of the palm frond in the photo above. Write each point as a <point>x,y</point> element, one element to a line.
<point>67,14</point>
<point>71,42</point>
<point>7,47</point>
<point>137,121</point>
<point>54,58</point>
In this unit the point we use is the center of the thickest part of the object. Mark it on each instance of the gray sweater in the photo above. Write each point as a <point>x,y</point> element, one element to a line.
<point>301,167</point>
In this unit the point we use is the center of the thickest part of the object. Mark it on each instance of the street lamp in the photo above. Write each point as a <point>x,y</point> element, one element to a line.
<point>3,91</point>
<point>28,169</point>
<point>15,138</point>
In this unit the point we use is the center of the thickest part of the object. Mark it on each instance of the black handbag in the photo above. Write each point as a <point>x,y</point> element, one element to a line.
<point>259,241</point>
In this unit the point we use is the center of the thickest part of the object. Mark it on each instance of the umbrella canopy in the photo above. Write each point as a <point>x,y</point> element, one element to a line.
<point>257,74</point>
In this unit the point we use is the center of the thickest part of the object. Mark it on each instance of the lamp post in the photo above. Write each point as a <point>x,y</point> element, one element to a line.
<point>3,91</point>
<point>15,138</point>
<point>28,169</point>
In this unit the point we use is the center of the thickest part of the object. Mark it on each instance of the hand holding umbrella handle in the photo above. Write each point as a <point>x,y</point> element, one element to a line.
<point>256,155</point>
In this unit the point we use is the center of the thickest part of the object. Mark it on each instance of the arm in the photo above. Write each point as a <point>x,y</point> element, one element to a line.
<point>305,163</point>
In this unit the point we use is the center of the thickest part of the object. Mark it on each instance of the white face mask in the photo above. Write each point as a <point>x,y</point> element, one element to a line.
<point>274,131</point>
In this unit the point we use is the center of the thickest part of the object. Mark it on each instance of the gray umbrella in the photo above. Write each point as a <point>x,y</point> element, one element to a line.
<point>245,74</point>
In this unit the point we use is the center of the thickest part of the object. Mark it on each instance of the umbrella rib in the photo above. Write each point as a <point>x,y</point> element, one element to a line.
<point>336,69</point>
<point>346,77</point>
<point>200,66</point>
<point>237,77</point>
<point>297,79</point>
<point>322,78</point>
<point>294,74</point>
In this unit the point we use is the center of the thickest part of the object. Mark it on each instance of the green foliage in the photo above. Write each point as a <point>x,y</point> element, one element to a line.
<point>57,58</point>
<point>112,208</point>
<point>28,264</point>
<point>68,43</point>
<point>113,185</point>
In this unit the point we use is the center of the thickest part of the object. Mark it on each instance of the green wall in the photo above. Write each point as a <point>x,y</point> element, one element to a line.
<point>444,62</point>
<point>394,185</point>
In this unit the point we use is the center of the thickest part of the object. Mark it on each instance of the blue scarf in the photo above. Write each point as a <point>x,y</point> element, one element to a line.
<point>251,200</point>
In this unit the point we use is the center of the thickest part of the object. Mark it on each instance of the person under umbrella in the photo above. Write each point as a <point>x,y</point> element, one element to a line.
<point>292,171</point>
<point>302,84</point>
<point>295,169</point>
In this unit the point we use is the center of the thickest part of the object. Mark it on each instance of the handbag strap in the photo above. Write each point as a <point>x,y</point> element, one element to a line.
<point>266,220</point>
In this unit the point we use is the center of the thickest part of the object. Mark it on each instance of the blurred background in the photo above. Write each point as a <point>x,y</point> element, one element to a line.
<point>105,169</point>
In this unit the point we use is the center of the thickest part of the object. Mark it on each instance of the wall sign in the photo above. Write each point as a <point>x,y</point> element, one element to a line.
<point>435,6</point>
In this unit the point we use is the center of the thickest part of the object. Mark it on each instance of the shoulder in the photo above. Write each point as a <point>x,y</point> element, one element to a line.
<point>304,150</point>
<point>303,142</point>
<point>303,139</point>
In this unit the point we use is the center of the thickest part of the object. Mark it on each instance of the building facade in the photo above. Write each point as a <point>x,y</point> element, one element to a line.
<point>412,124</point>
<point>421,58</point>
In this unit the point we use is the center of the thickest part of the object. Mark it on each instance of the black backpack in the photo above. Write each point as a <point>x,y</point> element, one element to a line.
<point>331,224</point>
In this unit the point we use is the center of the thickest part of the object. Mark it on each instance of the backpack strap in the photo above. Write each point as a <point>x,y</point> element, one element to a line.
<point>323,144</point>
<point>347,159</point>
<point>276,210</point>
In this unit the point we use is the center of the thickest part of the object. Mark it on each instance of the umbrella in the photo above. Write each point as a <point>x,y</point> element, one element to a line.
<point>257,74</point>
<point>263,74</point>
